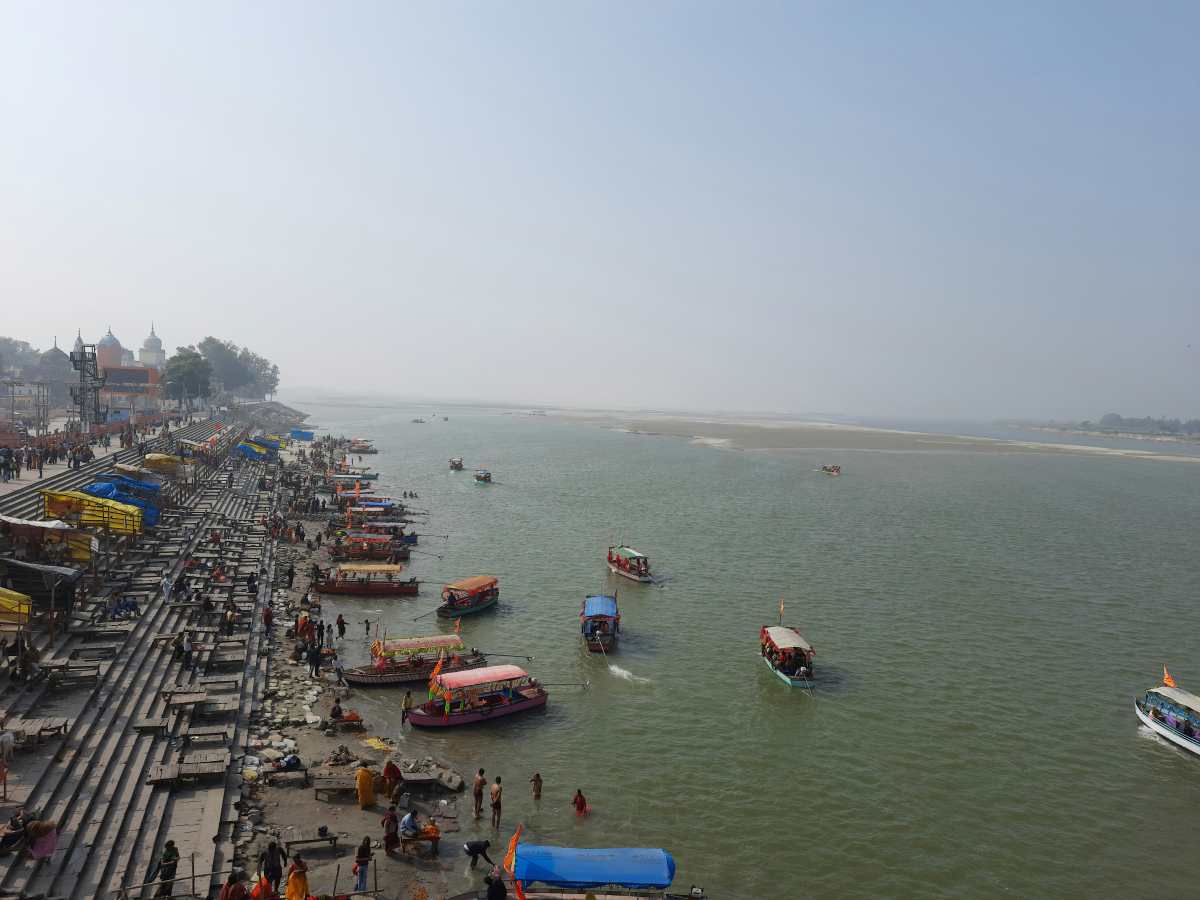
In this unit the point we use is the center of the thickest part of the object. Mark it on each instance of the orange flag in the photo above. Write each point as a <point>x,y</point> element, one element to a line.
<point>510,857</point>
<point>780,610</point>
<point>1168,681</point>
<point>458,625</point>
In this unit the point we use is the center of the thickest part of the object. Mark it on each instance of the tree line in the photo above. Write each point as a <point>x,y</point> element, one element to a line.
<point>1145,425</point>
<point>199,371</point>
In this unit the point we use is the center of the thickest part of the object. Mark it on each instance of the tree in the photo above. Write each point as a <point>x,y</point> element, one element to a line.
<point>187,375</point>
<point>18,355</point>
<point>264,374</point>
<point>227,367</point>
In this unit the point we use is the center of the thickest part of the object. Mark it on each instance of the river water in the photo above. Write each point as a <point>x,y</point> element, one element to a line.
<point>982,622</point>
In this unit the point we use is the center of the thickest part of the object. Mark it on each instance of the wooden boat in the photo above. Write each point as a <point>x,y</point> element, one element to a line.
<point>483,476</point>
<point>832,470</point>
<point>478,695</point>
<point>456,464</point>
<point>368,579</point>
<point>363,546</point>
<point>418,421</point>
<point>600,621</point>
<point>469,596</point>
<point>408,660</point>
<point>1171,713</point>
<point>629,563</point>
<point>360,447</point>
<point>787,654</point>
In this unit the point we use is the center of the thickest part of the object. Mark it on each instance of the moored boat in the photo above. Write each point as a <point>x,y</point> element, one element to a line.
<point>469,596</point>
<point>629,563</point>
<point>787,654</point>
<point>483,476</point>
<point>368,579</point>
<point>363,546</point>
<point>456,464</point>
<point>408,660</point>
<point>359,446</point>
<point>832,470</point>
<point>1171,713</point>
<point>600,622</point>
<point>478,695</point>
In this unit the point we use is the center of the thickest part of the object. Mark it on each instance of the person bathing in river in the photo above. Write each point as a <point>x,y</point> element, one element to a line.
<point>580,803</point>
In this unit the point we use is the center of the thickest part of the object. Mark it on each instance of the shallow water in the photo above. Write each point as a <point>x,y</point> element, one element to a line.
<point>982,622</point>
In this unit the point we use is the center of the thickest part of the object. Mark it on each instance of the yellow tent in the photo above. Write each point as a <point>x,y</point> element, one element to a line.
<point>14,607</point>
<point>93,512</point>
<point>162,462</point>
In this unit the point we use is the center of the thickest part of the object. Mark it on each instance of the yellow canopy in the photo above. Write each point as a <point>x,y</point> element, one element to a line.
<point>162,462</point>
<point>372,568</point>
<point>93,512</point>
<point>14,607</point>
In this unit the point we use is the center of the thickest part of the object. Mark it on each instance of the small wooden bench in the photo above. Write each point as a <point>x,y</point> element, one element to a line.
<point>297,837</point>
<point>227,682</point>
<point>155,726</point>
<point>415,840</point>
<point>331,782</point>
<point>183,696</point>
<point>202,732</point>
<point>95,651</point>
<point>73,675</point>
<point>219,707</point>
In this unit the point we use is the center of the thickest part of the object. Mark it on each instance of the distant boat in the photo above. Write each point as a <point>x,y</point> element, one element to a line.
<point>418,421</point>
<point>629,563</point>
<point>456,464</point>
<point>1171,713</point>
<point>600,621</point>
<point>787,654</point>
<point>832,470</point>
<point>483,476</point>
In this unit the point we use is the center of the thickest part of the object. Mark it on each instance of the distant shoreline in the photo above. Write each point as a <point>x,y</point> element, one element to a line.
<point>1112,435</point>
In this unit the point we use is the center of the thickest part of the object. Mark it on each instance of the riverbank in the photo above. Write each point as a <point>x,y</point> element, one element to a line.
<point>294,718</point>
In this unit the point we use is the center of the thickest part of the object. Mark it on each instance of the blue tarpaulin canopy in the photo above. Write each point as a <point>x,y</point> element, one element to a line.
<point>249,452</point>
<point>600,605</point>
<point>132,484</point>
<point>571,867</point>
<point>298,435</point>
<point>110,491</point>
<point>265,442</point>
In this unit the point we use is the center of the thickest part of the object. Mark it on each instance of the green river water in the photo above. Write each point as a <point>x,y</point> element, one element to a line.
<point>982,623</point>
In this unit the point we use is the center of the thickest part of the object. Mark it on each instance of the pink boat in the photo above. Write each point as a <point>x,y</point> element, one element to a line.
<point>478,695</point>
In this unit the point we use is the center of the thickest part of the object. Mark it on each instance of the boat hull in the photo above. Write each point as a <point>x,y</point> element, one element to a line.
<point>632,576</point>
<point>423,718</point>
<point>601,645</point>
<point>1179,740</point>
<point>375,589</point>
<point>453,612</point>
<point>367,676</point>
<point>788,679</point>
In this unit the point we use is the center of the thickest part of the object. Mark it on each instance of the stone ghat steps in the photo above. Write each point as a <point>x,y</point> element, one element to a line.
<point>102,756</point>
<point>26,503</point>
<point>193,817</point>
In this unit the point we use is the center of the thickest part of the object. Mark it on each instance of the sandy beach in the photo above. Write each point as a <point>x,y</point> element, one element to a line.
<point>796,436</point>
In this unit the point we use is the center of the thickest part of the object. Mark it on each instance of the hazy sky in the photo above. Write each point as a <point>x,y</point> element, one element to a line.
<point>903,209</point>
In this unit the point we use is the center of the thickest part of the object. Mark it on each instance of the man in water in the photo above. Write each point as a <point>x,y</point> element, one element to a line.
<point>406,710</point>
<point>536,781</point>
<point>497,792</point>
<point>476,849</point>
<point>477,787</point>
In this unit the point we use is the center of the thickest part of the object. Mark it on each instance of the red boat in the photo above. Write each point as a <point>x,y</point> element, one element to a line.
<point>478,695</point>
<point>363,546</point>
<point>369,579</point>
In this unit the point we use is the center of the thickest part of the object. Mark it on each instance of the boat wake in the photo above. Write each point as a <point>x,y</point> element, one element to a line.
<point>627,675</point>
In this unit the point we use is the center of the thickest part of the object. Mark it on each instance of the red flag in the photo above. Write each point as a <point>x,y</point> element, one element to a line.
<point>437,668</point>
<point>1168,681</point>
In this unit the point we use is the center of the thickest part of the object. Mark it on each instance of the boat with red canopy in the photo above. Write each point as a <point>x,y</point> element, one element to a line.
<point>369,579</point>
<point>361,545</point>
<point>407,660</point>
<point>478,695</point>
<point>469,596</point>
<point>787,654</point>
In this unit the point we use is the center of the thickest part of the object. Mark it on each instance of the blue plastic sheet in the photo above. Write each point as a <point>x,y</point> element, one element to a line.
<point>571,867</point>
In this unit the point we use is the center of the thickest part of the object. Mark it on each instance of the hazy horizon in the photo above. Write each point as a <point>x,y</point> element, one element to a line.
<point>949,211</point>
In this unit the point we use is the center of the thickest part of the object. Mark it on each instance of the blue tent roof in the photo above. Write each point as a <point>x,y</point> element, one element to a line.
<point>600,605</point>
<point>110,491</point>
<point>265,442</point>
<point>133,484</point>
<point>249,452</point>
<point>299,435</point>
<point>575,868</point>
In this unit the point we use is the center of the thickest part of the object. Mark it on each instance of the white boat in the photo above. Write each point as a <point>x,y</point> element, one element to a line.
<point>629,563</point>
<point>1171,713</point>
<point>787,654</point>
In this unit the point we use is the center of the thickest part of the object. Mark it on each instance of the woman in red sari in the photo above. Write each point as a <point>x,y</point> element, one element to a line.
<point>391,830</point>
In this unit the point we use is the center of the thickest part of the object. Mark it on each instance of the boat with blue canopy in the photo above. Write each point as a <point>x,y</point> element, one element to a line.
<point>644,871</point>
<point>600,621</point>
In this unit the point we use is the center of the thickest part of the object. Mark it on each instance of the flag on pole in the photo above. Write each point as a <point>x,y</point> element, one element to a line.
<point>510,856</point>
<point>437,668</point>
<point>1168,681</point>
